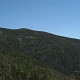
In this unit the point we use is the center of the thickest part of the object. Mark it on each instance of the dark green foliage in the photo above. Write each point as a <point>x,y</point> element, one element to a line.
<point>55,52</point>
<point>18,67</point>
<point>76,74</point>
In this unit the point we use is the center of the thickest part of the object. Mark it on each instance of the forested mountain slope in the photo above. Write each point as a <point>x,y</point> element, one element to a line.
<point>55,52</point>
<point>17,67</point>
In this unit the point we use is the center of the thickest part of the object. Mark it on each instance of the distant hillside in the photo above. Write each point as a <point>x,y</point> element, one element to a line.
<point>55,52</point>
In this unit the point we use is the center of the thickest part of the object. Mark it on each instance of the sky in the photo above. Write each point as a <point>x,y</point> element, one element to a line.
<point>60,17</point>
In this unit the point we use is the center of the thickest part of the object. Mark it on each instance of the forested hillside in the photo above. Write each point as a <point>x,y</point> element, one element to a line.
<point>24,52</point>
<point>17,67</point>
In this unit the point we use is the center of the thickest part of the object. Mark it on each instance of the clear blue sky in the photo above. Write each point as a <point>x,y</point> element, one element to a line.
<point>61,17</point>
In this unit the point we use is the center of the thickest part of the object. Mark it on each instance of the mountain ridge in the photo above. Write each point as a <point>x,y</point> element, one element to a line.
<point>56,52</point>
<point>40,31</point>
